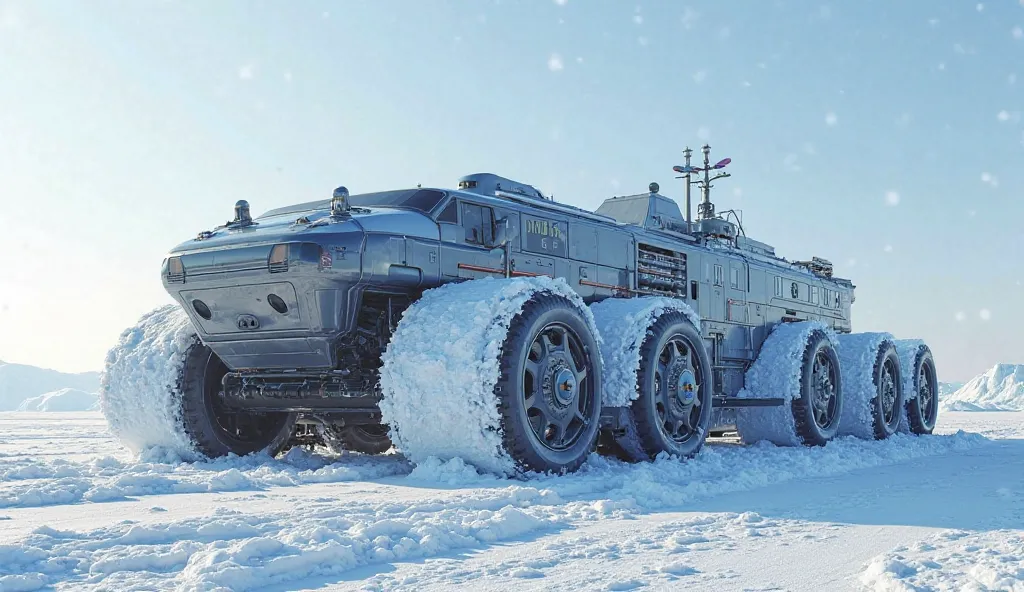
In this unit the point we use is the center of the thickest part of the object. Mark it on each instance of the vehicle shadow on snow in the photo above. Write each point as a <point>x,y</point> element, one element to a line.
<point>980,488</point>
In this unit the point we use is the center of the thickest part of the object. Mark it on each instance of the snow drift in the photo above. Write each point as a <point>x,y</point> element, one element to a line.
<point>66,399</point>
<point>1001,388</point>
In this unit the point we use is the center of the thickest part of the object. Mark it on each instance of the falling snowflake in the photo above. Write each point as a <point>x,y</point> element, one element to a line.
<point>561,2</point>
<point>555,62</point>
<point>699,76</point>
<point>638,19</point>
<point>641,40</point>
<point>980,7</point>
<point>247,71</point>
<point>1003,115</point>
<point>989,179</point>
<point>985,314</point>
<point>831,119</point>
<point>1018,32</point>
<point>892,198</point>
<point>960,316</point>
<point>888,249</point>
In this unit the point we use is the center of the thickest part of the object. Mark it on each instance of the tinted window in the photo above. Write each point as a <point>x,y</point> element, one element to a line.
<point>450,213</point>
<point>479,224</point>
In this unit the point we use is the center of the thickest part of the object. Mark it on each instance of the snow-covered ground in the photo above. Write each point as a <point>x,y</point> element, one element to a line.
<point>946,512</point>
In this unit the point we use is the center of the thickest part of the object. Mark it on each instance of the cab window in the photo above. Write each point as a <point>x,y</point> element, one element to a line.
<point>450,213</point>
<point>479,224</point>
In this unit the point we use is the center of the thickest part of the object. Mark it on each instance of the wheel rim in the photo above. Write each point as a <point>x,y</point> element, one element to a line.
<point>252,429</point>
<point>887,392</point>
<point>925,396</point>
<point>557,388</point>
<point>823,391</point>
<point>676,390</point>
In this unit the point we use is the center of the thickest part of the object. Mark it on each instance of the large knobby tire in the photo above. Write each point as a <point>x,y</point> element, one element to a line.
<point>818,409</point>
<point>216,431</point>
<point>923,409</point>
<point>672,412</point>
<point>888,400</point>
<point>549,389</point>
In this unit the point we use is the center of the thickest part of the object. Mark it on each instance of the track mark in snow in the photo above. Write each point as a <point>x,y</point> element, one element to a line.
<point>58,482</point>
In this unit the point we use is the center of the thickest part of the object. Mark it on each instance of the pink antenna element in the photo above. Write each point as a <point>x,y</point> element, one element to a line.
<point>721,164</point>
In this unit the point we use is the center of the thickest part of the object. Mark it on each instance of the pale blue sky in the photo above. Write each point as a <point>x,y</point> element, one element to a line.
<point>128,126</point>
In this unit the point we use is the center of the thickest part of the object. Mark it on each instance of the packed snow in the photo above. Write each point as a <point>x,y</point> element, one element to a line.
<point>734,517</point>
<point>441,366</point>
<point>1001,388</point>
<point>65,399</point>
<point>776,373</point>
<point>623,325</point>
<point>138,393</point>
<point>857,355</point>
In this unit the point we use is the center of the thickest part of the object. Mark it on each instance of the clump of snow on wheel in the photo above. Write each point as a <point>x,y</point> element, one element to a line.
<point>441,367</point>
<point>776,374</point>
<point>907,350</point>
<point>139,386</point>
<point>623,325</point>
<point>857,355</point>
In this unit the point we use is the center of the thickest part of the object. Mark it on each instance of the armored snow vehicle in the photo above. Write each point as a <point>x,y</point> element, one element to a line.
<point>494,323</point>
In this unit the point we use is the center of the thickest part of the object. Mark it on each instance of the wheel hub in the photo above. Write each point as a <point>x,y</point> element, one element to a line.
<point>564,387</point>
<point>686,388</point>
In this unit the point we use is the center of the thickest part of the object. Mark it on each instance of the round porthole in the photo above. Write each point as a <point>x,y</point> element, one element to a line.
<point>277,303</point>
<point>201,309</point>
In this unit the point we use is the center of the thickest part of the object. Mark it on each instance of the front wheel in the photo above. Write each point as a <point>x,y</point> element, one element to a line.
<point>549,390</point>
<point>214,429</point>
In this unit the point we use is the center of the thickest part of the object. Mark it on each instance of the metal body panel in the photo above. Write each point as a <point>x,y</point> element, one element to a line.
<point>635,245</point>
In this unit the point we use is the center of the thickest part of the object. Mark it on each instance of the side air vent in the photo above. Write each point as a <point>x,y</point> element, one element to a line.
<point>661,271</point>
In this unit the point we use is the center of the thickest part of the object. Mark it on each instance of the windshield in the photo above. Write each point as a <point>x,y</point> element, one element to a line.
<point>422,200</point>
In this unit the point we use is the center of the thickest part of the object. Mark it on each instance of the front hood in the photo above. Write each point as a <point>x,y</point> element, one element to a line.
<point>311,226</point>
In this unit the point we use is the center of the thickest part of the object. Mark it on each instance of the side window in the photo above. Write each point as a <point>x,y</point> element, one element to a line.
<point>734,278</point>
<point>450,213</point>
<point>778,286</point>
<point>719,275</point>
<point>814,294</point>
<point>479,224</point>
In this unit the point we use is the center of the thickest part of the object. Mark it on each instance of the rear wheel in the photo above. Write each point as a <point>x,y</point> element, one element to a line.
<point>216,430</point>
<point>817,410</point>
<point>673,410</point>
<point>888,399</point>
<point>368,439</point>
<point>923,409</point>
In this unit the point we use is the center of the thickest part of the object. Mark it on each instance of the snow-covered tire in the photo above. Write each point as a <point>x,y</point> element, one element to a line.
<point>216,431</point>
<point>634,331</point>
<point>459,368</point>
<point>920,386</point>
<point>795,359</point>
<point>872,385</point>
<point>141,391</point>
